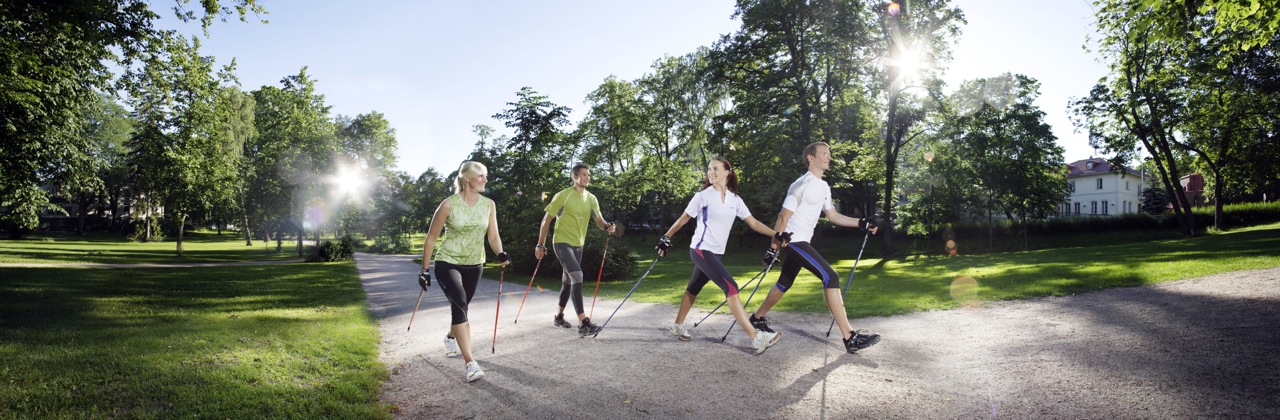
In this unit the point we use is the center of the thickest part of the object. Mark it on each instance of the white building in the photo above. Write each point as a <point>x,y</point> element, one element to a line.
<point>1097,191</point>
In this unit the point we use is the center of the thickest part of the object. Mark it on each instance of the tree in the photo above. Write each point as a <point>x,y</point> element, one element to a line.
<point>917,38</point>
<point>1010,152</point>
<point>294,148</point>
<point>108,127</point>
<point>1139,102</point>
<point>56,56</point>
<point>183,157</point>
<point>534,160</point>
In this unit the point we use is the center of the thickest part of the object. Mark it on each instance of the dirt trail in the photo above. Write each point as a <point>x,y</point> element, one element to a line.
<point>1207,347</point>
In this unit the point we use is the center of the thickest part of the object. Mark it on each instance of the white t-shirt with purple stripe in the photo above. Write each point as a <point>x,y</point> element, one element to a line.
<point>807,198</point>
<point>715,218</point>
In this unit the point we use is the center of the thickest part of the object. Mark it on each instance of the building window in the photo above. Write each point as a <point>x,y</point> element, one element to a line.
<point>1099,183</point>
<point>1126,185</point>
<point>1073,186</point>
<point>1088,165</point>
<point>1094,207</point>
<point>1077,207</point>
<point>1104,207</point>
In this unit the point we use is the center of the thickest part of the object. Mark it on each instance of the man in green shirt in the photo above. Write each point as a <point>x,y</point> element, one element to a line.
<point>572,209</point>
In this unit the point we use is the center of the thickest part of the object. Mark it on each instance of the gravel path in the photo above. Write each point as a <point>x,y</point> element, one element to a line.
<point>1207,347</point>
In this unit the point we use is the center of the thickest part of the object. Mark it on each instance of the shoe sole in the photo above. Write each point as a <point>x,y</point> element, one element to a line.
<point>451,354</point>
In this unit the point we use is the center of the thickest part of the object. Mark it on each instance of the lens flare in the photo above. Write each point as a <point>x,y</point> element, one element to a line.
<point>951,247</point>
<point>964,289</point>
<point>539,287</point>
<point>928,156</point>
<point>894,9</point>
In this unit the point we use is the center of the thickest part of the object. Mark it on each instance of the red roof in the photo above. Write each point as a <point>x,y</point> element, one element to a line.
<point>1099,166</point>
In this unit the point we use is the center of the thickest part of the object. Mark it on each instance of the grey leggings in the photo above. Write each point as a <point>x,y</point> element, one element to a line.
<point>571,281</point>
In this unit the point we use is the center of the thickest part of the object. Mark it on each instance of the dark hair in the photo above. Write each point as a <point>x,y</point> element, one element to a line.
<point>731,183</point>
<point>574,172</point>
<point>812,150</point>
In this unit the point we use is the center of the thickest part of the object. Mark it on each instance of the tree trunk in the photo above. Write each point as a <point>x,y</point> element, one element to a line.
<point>886,222</point>
<point>182,223</point>
<point>82,213</point>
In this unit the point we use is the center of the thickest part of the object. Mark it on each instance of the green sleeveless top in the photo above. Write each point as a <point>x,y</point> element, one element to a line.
<point>465,230</point>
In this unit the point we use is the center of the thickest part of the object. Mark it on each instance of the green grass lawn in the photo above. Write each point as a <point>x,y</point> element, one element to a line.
<point>115,249</point>
<point>886,287</point>
<point>273,341</point>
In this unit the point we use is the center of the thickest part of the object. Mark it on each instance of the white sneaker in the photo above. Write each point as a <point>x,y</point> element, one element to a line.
<point>451,347</point>
<point>474,372</point>
<point>680,332</point>
<point>764,339</point>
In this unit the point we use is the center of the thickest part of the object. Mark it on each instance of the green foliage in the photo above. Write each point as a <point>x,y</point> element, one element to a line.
<point>330,251</point>
<point>391,244</point>
<point>148,229</point>
<point>56,57</point>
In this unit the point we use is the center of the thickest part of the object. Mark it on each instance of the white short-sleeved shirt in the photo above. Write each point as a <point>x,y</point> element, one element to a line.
<point>807,198</point>
<point>714,218</point>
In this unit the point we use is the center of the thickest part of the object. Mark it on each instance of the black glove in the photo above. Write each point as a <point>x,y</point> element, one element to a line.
<point>782,237</point>
<point>770,256</point>
<point>503,258</point>
<point>664,243</point>
<point>867,223</point>
<point>424,278</point>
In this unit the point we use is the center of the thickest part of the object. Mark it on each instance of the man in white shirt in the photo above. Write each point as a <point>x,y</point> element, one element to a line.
<point>807,199</point>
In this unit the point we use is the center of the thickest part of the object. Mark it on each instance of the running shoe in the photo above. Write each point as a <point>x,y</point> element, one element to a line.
<point>860,341</point>
<point>764,339</point>
<point>680,332</point>
<point>451,347</point>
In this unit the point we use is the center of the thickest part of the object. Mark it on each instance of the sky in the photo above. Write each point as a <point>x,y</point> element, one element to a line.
<point>438,68</point>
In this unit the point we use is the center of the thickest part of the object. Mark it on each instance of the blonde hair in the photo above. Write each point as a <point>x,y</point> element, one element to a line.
<point>470,167</point>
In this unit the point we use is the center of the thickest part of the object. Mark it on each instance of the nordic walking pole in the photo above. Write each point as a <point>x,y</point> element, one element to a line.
<point>494,347</point>
<point>744,306</point>
<point>726,300</point>
<point>526,290</point>
<point>415,309</point>
<point>847,283</point>
<point>598,275</point>
<point>624,300</point>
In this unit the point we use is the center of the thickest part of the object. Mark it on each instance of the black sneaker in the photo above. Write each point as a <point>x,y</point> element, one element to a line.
<point>860,341</point>
<point>760,324</point>
<point>560,322</point>
<point>587,328</point>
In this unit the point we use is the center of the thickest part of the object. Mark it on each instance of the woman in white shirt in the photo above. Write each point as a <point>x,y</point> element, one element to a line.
<point>715,207</point>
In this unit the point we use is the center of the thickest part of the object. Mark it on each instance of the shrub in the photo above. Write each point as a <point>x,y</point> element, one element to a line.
<point>391,244</point>
<point>330,251</point>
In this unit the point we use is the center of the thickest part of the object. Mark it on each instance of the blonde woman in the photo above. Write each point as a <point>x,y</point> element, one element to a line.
<point>468,217</point>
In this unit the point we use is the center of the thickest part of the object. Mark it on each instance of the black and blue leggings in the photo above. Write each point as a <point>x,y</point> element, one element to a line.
<point>707,266</point>
<point>802,255</point>
<point>459,284</point>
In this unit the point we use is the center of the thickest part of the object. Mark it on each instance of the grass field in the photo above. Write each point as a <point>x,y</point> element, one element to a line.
<point>271,341</point>
<point>114,249</point>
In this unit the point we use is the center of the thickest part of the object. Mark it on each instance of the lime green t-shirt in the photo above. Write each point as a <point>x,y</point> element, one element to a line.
<point>574,211</point>
<point>466,228</point>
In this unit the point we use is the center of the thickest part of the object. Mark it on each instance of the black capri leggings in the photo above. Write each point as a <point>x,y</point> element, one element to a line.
<point>802,254</point>
<point>459,284</point>
<point>707,266</point>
